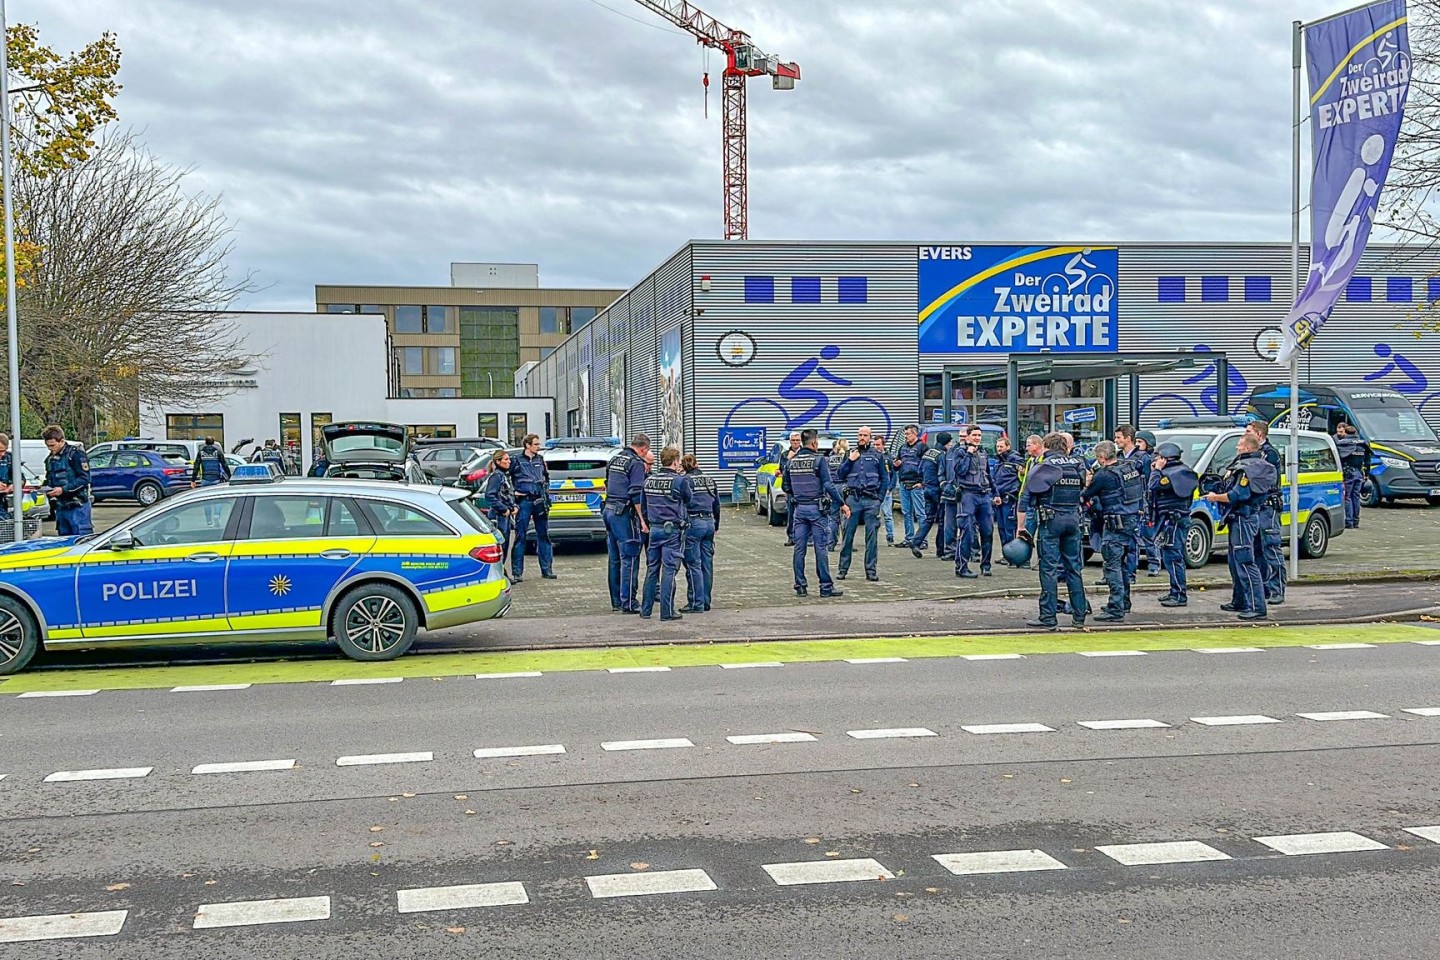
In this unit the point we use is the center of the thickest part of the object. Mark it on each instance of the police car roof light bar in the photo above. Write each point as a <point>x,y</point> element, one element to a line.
<point>255,473</point>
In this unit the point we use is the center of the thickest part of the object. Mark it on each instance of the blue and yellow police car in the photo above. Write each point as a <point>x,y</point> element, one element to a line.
<point>364,563</point>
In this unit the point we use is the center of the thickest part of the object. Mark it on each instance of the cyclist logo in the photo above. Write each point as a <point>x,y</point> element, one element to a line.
<point>800,386</point>
<point>1237,386</point>
<point>1415,381</point>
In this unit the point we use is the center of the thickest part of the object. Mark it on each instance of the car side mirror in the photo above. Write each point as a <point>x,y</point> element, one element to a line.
<point>123,540</point>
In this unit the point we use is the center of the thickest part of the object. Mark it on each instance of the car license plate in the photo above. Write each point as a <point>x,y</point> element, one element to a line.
<point>1435,493</point>
<point>570,498</point>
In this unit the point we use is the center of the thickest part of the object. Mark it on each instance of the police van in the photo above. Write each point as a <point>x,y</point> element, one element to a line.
<point>1209,450</point>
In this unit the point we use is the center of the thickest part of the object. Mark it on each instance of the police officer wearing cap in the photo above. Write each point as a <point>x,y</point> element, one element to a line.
<point>930,467</point>
<point>625,522</point>
<point>700,538</point>
<point>1355,462</point>
<point>864,472</point>
<point>1005,474</point>
<point>1052,492</point>
<point>668,498</point>
<point>970,471</point>
<point>1119,492</point>
<point>1172,489</point>
<point>1271,557</point>
<point>532,488</point>
<point>1250,479</point>
<point>811,491</point>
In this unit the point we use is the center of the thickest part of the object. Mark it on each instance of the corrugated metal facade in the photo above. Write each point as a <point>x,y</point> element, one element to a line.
<point>787,298</point>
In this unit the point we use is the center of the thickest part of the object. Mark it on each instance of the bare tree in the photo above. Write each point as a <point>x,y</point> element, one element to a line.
<point>122,302</point>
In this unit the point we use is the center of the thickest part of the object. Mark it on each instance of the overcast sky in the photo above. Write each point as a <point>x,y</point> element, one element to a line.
<point>361,141</point>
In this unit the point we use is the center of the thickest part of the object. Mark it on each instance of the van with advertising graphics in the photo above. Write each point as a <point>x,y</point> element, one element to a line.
<point>1406,461</point>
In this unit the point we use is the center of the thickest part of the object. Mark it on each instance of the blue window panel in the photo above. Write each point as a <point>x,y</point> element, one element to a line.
<point>759,289</point>
<point>1432,289</point>
<point>804,289</point>
<point>1257,289</point>
<point>1172,289</point>
<point>1214,289</point>
<point>854,290</point>
<point>1358,290</point>
<point>1399,289</point>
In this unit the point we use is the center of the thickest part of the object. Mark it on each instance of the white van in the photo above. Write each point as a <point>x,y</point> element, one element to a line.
<point>32,453</point>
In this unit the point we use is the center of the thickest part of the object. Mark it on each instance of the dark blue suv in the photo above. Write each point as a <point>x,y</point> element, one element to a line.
<point>141,475</point>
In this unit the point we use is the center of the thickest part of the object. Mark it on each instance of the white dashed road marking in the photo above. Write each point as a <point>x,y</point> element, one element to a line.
<point>120,773</point>
<point>1234,721</point>
<point>1122,724</point>
<point>865,660</point>
<point>983,728</point>
<point>379,758</point>
<point>891,733</point>
<point>998,861</point>
<point>1427,643</point>
<point>1299,844</point>
<point>1425,833</point>
<point>1425,711</point>
<point>1229,650</point>
<point>467,897</point>
<point>248,913</point>
<point>1144,854</point>
<point>638,670</point>
<point>245,766</point>
<point>36,694</point>
<point>747,739</point>
<point>993,656</point>
<point>747,666</point>
<point>1345,715</point>
<point>61,926</point>
<point>1341,646</point>
<point>645,884</point>
<point>1113,653</point>
<point>365,681</point>
<point>508,676</point>
<point>490,753</point>
<point>826,871</point>
<point>207,687</point>
<point>664,744</point>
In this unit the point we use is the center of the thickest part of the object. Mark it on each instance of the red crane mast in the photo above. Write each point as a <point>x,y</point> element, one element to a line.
<point>743,60</point>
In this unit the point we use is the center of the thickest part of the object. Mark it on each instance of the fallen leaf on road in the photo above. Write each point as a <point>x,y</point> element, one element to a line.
<point>1007,776</point>
<point>374,858</point>
<point>378,843</point>
<point>1122,920</point>
<point>407,795</point>
<point>593,855</point>
<point>932,889</point>
<point>117,887</point>
<point>639,865</point>
<point>394,799</point>
<point>461,796</point>
<point>211,883</point>
<point>901,918</point>
<point>854,790</point>
<point>186,876</point>
<point>456,930</point>
<point>504,843</point>
<point>812,839</point>
<point>377,829</point>
<point>469,813</point>
<point>17,883</point>
<point>832,853</point>
<point>1064,780</point>
<point>913,784</point>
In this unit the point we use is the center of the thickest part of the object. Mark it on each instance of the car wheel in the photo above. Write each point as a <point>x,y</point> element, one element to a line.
<point>19,636</point>
<point>1433,501</point>
<point>375,622</point>
<point>1370,494</point>
<point>1317,538</point>
<point>776,518</point>
<point>1198,543</point>
<point>148,493</point>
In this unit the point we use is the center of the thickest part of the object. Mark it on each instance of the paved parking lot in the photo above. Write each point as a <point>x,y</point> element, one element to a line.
<point>752,567</point>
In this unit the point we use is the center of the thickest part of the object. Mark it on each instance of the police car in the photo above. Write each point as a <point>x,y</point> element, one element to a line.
<point>577,486</point>
<point>770,500</point>
<point>1210,449</point>
<point>364,563</point>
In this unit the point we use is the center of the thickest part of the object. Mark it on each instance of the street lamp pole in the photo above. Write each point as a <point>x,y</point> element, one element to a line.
<point>12,324</point>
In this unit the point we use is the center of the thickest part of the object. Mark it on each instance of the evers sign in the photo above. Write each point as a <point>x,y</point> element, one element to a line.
<point>1019,300</point>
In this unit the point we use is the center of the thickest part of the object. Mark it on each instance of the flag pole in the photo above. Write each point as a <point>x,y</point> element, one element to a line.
<point>12,327</point>
<point>1292,454</point>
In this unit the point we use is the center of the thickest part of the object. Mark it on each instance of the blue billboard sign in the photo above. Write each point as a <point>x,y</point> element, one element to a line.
<point>741,447</point>
<point>1006,299</point>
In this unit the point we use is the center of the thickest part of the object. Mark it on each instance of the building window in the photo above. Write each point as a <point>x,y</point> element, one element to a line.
<point>1399,289</point>
<point>550,320</point>
<point>412,360</point>
<point>408,320</point>
<point>518,425</point>
<point>579,316</point>
<point>447,393</point>
<point>489,351</point>
<point>196,426</point>
<point>437,320</point>
<point>341,308</point>
<point>759,289</point>
<point>290,440</point>
<point>1172,290</point>
<point>488,425</point>
<point>370,308</point>
<point>442,361</point>
<point>432,431</point>
<point>317,421</point>
<point>1214,289</point>
<point>546,351</point>
<point>1257,289</point>
<point>804,289</point>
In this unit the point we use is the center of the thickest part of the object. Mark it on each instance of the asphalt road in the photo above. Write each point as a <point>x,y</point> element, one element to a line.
<point>347,841</point>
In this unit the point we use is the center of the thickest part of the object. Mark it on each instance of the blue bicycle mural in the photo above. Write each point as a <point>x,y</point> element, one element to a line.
<point>1238,387</point>
<point>1414,384</point>
<point>793,390</point>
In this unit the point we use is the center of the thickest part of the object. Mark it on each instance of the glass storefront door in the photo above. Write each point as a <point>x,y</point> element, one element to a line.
<point>1077,406</point>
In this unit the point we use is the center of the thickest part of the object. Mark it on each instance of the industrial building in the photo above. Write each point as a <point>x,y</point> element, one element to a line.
<point>728,345</point>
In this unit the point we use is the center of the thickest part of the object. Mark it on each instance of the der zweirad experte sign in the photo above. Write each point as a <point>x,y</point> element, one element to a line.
<point>1007,299</point>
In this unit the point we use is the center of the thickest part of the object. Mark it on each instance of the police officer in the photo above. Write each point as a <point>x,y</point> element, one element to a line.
<point>865,474</point>
<point>500,493</point>
<point>67,477</point>
<point>970,472</point>
<point>1172,488</point>
<point>1272,555</point>
<point>1052,492</point>
<point>1119,491</point>
<point>1250,479</point>
<point>210,468</point>
<point>1005,474</point>
<point>532,489</point>
<point>1025,517</point>
<point>949,499</point>
<point>1135,447</point>
<point>273,454</point>
<point>668,497</point>
<point>7,477</point>
<point>910,470</point>
<point>780,476</point>
<point>812,490</point>
<point>625,522</point>
<point>1355,464</point>
<point>700,538</point>
<point>838,455</point>
<point>930,466</point>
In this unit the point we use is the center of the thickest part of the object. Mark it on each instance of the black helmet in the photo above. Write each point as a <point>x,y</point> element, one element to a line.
<point>1149,439</point>
<point>1018,551</point>
<point>1168,450</point>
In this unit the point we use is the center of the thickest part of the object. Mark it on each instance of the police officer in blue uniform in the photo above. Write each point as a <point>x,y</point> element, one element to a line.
<point>838,455</point>
<point>865,474</point>
<point>1355,463</point>
<point>67,478</point>
<point>1172,490</point>
<point>910,472</point>
<point>1127,441</point>
<point>210,468</point>
<point>1119,492</point>
<point>1250,479</point>
<point>1272,554</point>
<point>532,489</point>
<point>319,466</point>
<point>930,466</point>
<point>625,522</point>
<point>668,497</point>
<point>500,494</point>
<point>1005,474</point>
<point>700,538</point>
<point>970,472</point>
<point>812,490</point>
<point>1052,491</point>
<point>7,474</point>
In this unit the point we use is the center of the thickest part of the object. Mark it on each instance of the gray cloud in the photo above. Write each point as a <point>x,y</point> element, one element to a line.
<point>367,141</point>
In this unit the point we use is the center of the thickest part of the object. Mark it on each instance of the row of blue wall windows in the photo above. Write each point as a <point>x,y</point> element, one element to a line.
<point>807,290</point>
<point>1257,289</point>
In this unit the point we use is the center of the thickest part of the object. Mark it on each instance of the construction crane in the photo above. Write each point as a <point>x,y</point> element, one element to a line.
<point>743,60</point>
